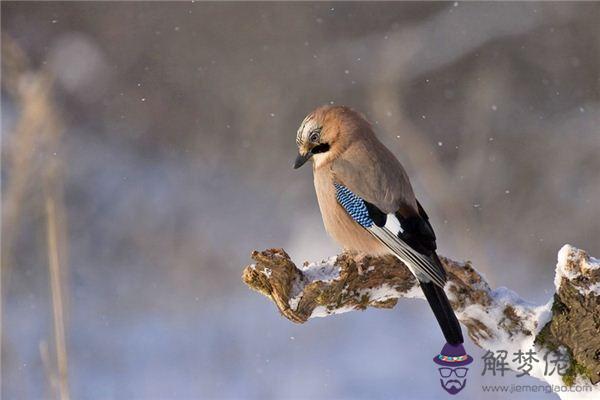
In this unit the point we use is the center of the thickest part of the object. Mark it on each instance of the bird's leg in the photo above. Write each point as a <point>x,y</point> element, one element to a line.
<point>362,260</point>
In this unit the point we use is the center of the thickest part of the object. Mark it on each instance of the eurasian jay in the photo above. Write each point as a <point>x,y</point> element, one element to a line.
<point>368,204</point>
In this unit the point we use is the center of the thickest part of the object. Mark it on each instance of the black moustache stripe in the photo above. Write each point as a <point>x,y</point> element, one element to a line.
<point>322,148</point>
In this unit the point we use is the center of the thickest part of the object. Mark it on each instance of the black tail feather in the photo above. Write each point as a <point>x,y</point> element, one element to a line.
<point>443,312</point>
<point>418,234</point>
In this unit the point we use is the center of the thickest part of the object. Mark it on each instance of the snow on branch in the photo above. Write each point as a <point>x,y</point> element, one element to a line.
<point>495,319</point>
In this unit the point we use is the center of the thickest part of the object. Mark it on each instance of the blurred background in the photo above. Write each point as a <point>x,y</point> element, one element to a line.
<point>147,150</point>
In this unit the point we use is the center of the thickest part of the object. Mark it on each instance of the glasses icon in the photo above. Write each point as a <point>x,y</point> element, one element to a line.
<point>459,372</point>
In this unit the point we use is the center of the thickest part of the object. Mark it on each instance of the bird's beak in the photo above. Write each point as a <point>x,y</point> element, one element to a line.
<point>301,159</point>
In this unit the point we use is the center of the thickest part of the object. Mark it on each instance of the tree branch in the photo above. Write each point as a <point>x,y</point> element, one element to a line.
<point>495,319</point>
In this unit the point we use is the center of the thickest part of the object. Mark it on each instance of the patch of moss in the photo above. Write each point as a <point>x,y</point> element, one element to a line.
<point>545,338</point>
<point>574,370</point>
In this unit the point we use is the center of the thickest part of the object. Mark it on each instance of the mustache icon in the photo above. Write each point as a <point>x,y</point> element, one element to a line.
<point>453,386</point>
<point>452,383</point>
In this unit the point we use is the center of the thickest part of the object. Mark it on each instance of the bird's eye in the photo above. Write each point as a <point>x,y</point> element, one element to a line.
<point>314,135</point>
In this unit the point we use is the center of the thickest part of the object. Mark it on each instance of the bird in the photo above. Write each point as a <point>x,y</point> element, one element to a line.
<point>368,204</point>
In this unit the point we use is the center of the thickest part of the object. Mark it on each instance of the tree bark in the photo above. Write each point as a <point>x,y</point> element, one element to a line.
<point>495,319</point>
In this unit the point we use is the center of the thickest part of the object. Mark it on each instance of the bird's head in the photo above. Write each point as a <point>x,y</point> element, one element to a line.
<point>325,133</point>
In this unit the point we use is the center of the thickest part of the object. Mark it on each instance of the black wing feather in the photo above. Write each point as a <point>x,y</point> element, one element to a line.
<point>418,232</point>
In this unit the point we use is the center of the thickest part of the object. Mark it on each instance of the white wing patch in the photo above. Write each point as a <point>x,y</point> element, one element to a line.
<point>393,224</point>
<point>421,266</point>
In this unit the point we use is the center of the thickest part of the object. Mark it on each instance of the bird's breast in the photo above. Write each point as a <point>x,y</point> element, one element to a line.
<point>338,224</point>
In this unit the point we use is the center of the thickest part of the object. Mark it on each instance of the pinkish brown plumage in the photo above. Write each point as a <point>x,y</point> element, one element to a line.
<point>359,161</point>
<point>367,202</point>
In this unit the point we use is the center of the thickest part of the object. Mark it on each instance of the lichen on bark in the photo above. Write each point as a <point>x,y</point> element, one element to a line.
<point>575,322</point>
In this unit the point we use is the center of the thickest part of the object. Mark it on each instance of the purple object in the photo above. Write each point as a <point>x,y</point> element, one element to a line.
<point>453,356</point>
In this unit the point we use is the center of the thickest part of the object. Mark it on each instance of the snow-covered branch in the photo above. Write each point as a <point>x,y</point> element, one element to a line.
<point>495,319</point>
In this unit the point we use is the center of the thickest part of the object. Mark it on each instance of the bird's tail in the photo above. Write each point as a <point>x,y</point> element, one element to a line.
<point>436,297</point>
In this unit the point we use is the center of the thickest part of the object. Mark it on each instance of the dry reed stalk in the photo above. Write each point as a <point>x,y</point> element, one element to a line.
<point>37,131</point>
<point>57,298</point>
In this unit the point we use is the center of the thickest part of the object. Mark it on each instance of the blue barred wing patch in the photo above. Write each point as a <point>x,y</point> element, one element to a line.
<point>354,205</point>
<point>421,266</point>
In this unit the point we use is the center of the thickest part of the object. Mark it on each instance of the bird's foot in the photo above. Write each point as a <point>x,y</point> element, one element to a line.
<point>362,263</point>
